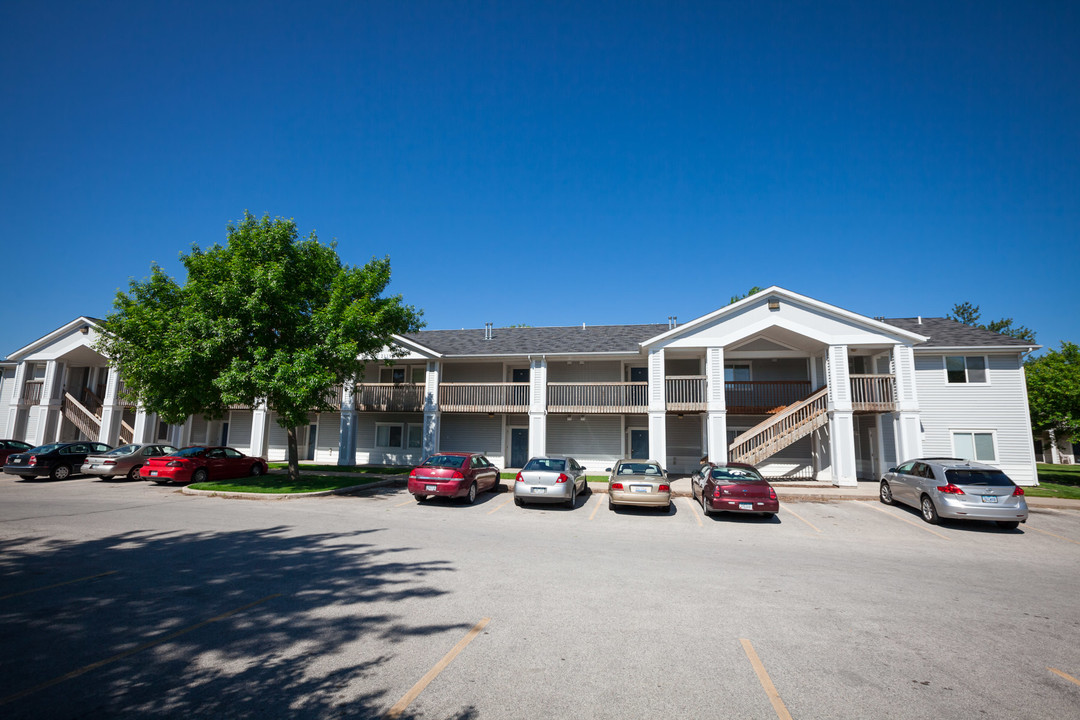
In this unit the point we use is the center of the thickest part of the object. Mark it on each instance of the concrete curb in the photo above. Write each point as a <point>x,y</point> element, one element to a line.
<point>390,482</point>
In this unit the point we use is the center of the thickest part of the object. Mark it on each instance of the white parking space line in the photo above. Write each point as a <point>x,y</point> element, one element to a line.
<point>813,527</point>
<point>1044,532</point>
<point>763,677</point>
<point>901,519</point>
<point>1065,675</point>
<point>414,692</point>
<point>697,516</point>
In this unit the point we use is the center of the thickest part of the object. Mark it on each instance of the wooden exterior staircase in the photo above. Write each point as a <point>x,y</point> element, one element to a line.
<point>782,429</point>
<point>89,421</point>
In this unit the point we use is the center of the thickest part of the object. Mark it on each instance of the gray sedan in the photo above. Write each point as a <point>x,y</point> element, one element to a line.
<point>555,478</point>
<point>958,489</point>
<point>125,460</point>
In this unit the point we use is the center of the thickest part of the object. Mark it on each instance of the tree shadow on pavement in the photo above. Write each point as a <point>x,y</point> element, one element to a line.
<point>260,623</point>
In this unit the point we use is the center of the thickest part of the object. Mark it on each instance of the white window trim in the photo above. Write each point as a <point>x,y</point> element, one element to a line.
<point>953,432</point>
<point>733,363</point>
<point>966,383</point>
<point>404,436</point>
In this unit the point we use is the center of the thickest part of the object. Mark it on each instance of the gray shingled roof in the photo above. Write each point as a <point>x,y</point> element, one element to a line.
<point>945,332</point>
<point>549,340</point>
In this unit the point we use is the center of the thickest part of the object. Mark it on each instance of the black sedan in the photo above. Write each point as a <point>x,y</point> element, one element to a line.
<point>57,460</point>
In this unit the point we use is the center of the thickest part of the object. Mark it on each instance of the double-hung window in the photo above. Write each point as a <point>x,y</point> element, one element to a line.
<point>965,369</point>
<point>974,445</point>
<point>388,436</point>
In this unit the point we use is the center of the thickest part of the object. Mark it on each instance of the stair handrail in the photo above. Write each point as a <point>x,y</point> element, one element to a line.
<point>780,416</point>
<point>86,421</point>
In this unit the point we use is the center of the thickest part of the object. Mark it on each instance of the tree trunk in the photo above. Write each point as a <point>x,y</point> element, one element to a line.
<point>294,459</point>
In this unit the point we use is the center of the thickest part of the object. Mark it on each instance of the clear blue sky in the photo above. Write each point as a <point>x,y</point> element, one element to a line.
<point>554,163</point>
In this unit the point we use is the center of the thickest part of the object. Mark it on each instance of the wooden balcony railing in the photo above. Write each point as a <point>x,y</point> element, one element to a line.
<point>482,397</point>
<point>32,392</point>
<point>780,430</point>
<point>389,397</point>
<point>597,397</point>
<point>764,396</point>
<point>80,417</point>
<point>685,393</point>
<point>872,393</point>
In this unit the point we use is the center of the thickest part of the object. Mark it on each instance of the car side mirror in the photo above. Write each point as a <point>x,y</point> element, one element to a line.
<point>607,469</point>
<point>892,469</point>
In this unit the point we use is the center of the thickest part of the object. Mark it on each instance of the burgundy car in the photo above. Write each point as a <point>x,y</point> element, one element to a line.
<point>735,487</point>
<point>10,447</point>
<point>200,463</point>
<point>453,474</point>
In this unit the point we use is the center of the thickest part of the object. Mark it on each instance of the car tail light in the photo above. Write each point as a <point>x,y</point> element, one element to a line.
<point>562,478</point>
<point>717,492</point>
<point>518,478</point>
<point>664,488</point>
<point>109,462</point>
<point>772,494</point>
<point>413,473</point>
<point>616,486</point>
<point>1018,491</point>
<point>950,489</point>
<point>457,476</point>
<point>174,463</point>
<point>33,460</point>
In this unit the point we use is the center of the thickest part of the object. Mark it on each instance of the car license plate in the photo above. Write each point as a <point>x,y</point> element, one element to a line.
<point>640,488</point>
<point>746,506</point>
<point>539,491</point>
<point>16,461</point>
<point>990,498</point>
<point>429,487</point>
<point>153,472</point>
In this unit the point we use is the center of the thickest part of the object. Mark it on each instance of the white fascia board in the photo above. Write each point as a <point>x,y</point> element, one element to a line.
<point>1022,349</point>
<point>53,337</point>
<point>416,347</point>
<point>614,355</point>
<point>776,291</point>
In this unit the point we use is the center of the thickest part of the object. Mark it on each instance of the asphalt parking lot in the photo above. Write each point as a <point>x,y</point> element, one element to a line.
<point>128,600</point>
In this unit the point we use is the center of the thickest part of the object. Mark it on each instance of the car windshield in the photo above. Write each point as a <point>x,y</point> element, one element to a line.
<point>446,461</point>
<point>42,449</point>
<point>545,465</point>
<point>735,474</point>
<point>639,469</point>
<point>190,452</point>
<point>123,450</point>
<point>992,478</point>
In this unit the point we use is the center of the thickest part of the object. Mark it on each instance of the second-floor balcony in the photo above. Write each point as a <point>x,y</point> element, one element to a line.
<point>484,397</point>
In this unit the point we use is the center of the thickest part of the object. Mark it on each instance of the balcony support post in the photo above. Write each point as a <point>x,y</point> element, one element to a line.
<point>260,428</point>
<point>657,408</point>
<point>537,406</point>
<point>14,406</point>
<point>49,421</point>
<point>432,414</point>
<point>716,445</point>
<point>111,412</point>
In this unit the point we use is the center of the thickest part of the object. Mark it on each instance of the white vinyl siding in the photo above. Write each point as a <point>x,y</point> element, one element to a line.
<point>198,430</point>
<point>367,422</point>
<point>998,406</point>
<point>683,366</point>
<point>240,430</point>
<point>326,448</point>
<point>7,385</point>
<point>590,439</point>
<point>888,440</point>
<point>683,443</point>
<point>471,433</point>
<point>472,372</point>
<point>587,371</point>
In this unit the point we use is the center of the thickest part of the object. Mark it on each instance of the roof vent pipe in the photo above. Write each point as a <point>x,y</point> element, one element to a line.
<point>487,331</point>
<point>918,319</point>
<point>582,326</point>
<point>672,321</point>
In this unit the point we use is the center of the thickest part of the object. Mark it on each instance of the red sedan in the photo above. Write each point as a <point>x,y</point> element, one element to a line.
<point>737,487</point>
<point>453,474</point>
<point>199,464</point>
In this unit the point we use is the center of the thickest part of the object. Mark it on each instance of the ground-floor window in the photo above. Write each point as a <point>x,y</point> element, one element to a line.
<point>388,436</point>
<point>416,436</point>
<point>974,445</point>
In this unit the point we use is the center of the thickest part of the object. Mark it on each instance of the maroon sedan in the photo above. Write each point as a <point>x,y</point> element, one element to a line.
<point>200,463</point>
<point>10,447</point>
<point>736,487</point>
<point>453,474</point>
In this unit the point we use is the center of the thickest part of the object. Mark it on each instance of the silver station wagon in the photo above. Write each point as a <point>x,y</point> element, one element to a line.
<point>957,489</point>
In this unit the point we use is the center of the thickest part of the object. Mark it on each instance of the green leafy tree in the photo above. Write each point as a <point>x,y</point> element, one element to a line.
<point>269,316</point>
<point>1053,382</point>
<point>969,315</point>
<point>752,291</point>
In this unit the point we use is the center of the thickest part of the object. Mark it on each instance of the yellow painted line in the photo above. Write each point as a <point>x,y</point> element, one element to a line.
<point>407,698</point>
<point>1044,532</point>
<point>763,677</point>
<point>1065,675</point>
<point>786,509</point>
<point>59,584</point>
<point>137,649</point>
<point>696,516</point>
<point>599,502</point>
<point>909,522</point>
<point>410,501</point>
<point>501,506</point>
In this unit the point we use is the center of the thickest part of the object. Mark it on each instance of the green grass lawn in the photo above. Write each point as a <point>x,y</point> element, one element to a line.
<point>277,484</point>
<point>1061,481</point>
<point>376,469</point>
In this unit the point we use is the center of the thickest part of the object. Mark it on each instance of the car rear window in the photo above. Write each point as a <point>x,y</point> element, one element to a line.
<point>190,452</point>
<point>734,474</point>
<point>123,450</point>
<point>545,464</point>
<point>446,461</point>
<point>639,469</point>
<point>43,449</point>
<point>992,478</point>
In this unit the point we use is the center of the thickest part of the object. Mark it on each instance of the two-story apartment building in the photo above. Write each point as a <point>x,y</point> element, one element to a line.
<point>800,388</point>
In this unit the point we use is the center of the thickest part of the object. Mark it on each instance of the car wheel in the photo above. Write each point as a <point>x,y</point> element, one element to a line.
<point>610,503</point>
<point>256,470</point>
<point>885,493</point>
<point>1008,524</point>
<point>199,476</point>
<point>572,502</point>
<point>133,473</point>
<point>60,472</point>
<point>107,477</point>
<point>929,512</point>
<point>471,498</point>
<point>420,498</point>
<point>768,516</point>
<point>665,509</point>
<point>704,505</point>
<point>519,502</point>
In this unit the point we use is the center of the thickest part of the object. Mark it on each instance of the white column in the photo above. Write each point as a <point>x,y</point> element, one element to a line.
<point>537,407</point>
<point>48,409</point>
<point>657,408</point>
<point>716,406</point>
<point>111,412</point>
<point>908,422</point>
<point>16,399</point>
<point>347,427</point>
<point>260,428</point>
<point>432,414</point>
<point>145,426</point>
<point>841,420</point>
